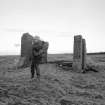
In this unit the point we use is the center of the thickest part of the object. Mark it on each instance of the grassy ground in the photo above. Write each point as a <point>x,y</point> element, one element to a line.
<point>56,86</point>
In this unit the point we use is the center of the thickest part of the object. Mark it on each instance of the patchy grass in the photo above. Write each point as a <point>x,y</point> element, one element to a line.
<point>56,86</point>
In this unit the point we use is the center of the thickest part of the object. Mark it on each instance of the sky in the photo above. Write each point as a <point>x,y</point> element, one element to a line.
<point>55,21</point>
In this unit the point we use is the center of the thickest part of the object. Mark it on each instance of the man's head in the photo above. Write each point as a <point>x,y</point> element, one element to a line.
<point>36,39</point>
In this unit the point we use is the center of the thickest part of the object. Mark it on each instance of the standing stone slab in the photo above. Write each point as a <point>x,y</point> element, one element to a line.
<point>44,55</point>
<point>77,57</point>
<point>83,54</point>
<point>26,48</point>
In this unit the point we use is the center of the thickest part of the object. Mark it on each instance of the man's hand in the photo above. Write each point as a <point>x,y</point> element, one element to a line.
<point>41,51</point>
<point>36,53</point>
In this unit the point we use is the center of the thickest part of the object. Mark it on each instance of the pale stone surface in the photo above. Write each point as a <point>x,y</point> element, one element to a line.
<point>77,56</point>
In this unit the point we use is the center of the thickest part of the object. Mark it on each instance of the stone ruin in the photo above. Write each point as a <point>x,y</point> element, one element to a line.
<point>79,56</point>
<point>26,50</point>
<point>79,53</point>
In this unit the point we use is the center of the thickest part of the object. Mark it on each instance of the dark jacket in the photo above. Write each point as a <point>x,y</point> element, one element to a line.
<point>37,51</point>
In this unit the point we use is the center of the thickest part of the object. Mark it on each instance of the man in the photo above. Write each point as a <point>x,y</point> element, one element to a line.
<point>37,51</point>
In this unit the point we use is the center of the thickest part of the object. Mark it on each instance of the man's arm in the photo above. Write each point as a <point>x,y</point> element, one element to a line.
<point>34,52</point>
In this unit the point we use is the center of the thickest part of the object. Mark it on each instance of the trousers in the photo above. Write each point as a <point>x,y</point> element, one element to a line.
<point>35,67</point>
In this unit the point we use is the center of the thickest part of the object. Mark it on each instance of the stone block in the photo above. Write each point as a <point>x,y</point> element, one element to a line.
<point>77,56</point>
<point>83,54</point>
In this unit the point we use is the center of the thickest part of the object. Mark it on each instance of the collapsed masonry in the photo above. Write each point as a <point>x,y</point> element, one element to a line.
<point>79,56</point>
<point>26,50</point>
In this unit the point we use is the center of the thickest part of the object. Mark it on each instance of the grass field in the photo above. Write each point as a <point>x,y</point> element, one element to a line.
<point>56,87</point>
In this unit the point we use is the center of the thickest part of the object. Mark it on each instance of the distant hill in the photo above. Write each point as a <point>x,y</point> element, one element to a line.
<point>95,53</point>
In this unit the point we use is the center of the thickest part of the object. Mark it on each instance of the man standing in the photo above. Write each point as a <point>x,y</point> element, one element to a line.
<point>37,51</point>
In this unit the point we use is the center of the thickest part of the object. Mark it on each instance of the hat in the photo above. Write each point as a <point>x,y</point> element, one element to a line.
<point>36,38</point>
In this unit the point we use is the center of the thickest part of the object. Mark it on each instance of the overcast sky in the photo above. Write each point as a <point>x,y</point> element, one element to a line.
<point>56,21</point>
